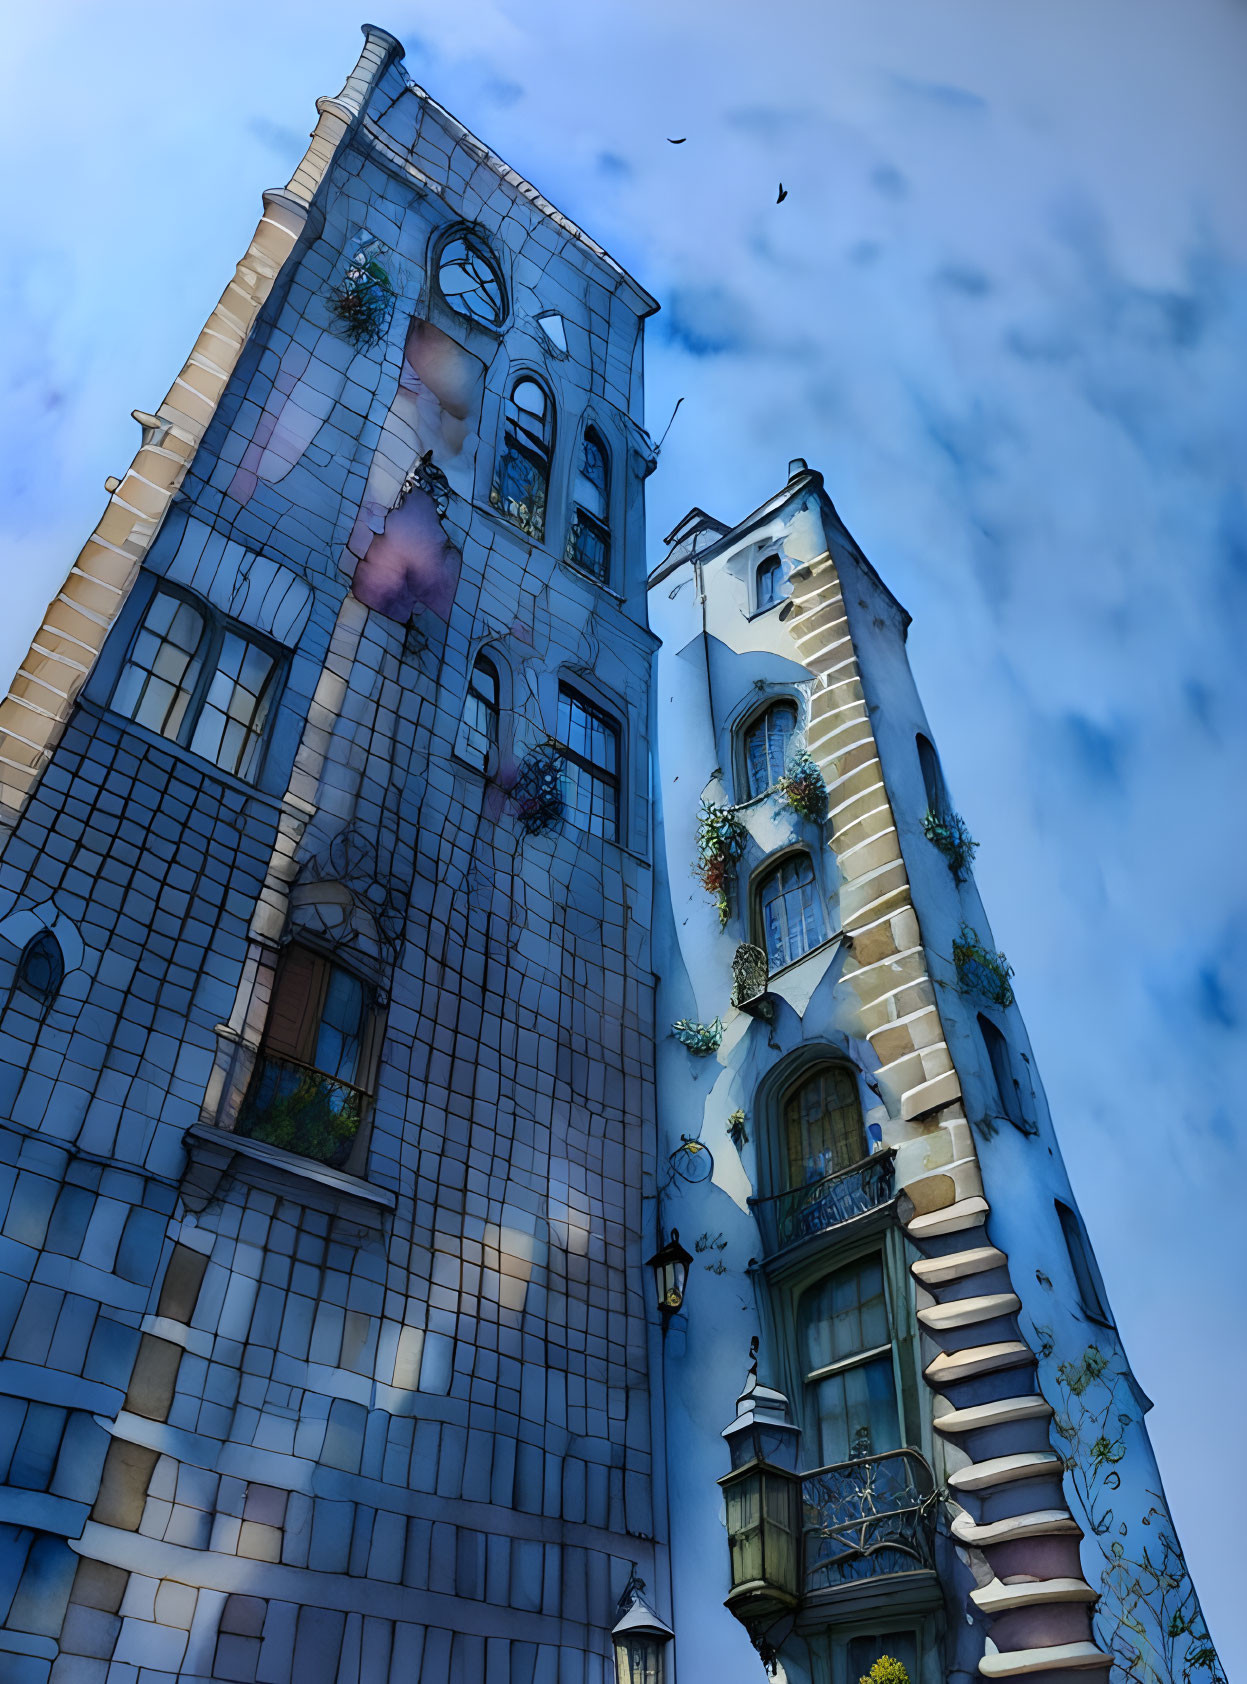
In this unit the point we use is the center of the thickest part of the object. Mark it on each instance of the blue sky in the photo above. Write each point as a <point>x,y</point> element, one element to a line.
<point>1003,309</point>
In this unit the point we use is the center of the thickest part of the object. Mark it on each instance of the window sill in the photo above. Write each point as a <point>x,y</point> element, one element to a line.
<point>793,964</point>
<point>216,1154</point>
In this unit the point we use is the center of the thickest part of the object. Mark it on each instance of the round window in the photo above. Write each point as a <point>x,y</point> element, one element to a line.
<point>469,281</point>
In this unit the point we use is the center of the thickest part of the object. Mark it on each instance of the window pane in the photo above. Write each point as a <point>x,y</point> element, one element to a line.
<point>480,714</point>
<point>339,1040</point>
<point>767,743</point>
<point>823,1125</point>
<point>854,1413</point>
<point>792,919</point>
<point>469,281</point>
<point>163,665</point>
<point>592,779</point>
<point>770,579</point>
<point>231,721</point>
<point>844,1314</point>
<point>589,548</point>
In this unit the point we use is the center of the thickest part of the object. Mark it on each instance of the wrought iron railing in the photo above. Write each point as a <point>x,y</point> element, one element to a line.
<point>868,1518</point>
<point>750,974</point>
<point>301,1110</point>
<point>823,1204</point>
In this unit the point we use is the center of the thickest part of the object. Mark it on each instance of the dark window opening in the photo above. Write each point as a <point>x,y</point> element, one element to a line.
<point>589,740</point>
<point>1083,1265</point>
<point>480,714</point>
<point>1008,1090</point>
<point>40,969</point>
<point>200,681</point>
<point>310,1084</point>
<point>932,778</point>
<point>767,742</point>
<point>768,583</point>
<point>863,1652</point>
<point>846,1351</point>
<point>523,479</point>
<point>589,539</point>
<point>468,280</point>
<point>790,911</point>
<point>823,1129</point>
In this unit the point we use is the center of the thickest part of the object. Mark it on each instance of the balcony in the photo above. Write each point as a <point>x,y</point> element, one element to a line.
<point>821,1205</point>
<point>869,1518</point>
<point>301,1110</point>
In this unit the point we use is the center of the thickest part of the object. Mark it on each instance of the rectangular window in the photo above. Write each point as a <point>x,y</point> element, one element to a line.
<point>846,1346</point>
<point>200,681</point>
<point>589,740</point>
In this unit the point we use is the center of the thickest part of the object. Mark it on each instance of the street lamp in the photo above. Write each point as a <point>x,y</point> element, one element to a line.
<point>670,1265</point>
<point>640,1637</point>
<point>762,1493</point>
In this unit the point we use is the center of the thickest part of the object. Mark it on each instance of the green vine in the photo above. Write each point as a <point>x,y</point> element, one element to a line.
<point>720,841</point>
<point>1148,1618</point>
<point>950,834</point>
<point>804,788</point>
<point>980,969</point>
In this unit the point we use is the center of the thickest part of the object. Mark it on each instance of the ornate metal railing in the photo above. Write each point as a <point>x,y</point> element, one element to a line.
<point>750,975</point>
<point>301,1110</point>
<point>868,1518</point>
<point>823,1204</point>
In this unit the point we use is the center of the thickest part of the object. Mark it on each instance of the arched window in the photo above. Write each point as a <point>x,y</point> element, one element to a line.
<point>1002,1070</point>
<point>822,1119</point>
<point>523,478</point>
<point>768,583</point>
<point>469,280</point>
<point>1085,1273</point>
<point>41,969</point>
<point>846,1355</point>
<point>589,539</point>
<point>932,778</point>
<point>767,740</point>
<point>790,911</point>
<point>479,740</point>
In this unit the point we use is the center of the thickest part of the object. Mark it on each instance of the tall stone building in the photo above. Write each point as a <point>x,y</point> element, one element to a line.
<point>326,1064</point>
<point>331,900</point>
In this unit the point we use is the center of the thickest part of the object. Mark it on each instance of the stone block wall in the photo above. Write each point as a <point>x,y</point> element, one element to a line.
<point>273,1420</point>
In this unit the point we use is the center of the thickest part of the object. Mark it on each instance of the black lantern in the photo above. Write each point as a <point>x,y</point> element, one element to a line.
<point>670,1265</point>
<point>639,1636</point>
<point>762,1494</point>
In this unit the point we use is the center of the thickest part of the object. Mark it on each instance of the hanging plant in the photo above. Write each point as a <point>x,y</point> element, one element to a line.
<point>699,1038</point>
<point>949,833</point>
<point>886,1670</point>
<point>361,303</point>
<point>980,969</point>
<point>720,841</point>
<point>737,1133</point>
<point>804,788</point>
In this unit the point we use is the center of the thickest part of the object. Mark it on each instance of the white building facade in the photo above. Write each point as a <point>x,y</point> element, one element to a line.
<point>862,1168</point>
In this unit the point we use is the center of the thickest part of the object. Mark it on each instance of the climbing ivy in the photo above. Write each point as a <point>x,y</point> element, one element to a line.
<point>720,841</point>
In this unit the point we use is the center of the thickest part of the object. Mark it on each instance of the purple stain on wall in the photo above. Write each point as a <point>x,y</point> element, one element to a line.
<point>410,567</point>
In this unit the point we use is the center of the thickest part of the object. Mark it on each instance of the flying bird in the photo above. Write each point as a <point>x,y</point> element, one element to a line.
<point>783,194</point>
<point>679,142</point>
